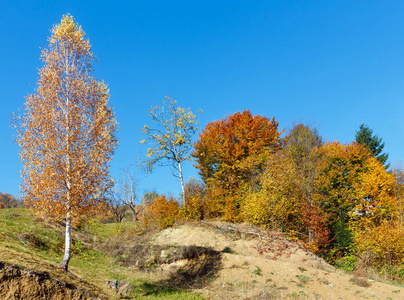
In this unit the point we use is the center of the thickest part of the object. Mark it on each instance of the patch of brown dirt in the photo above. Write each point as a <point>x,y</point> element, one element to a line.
<point>259,265</point>
<point>18,283</point>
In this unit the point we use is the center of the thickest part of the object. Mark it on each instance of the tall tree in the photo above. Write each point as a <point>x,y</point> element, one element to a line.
<point>302,147</point>
<point>170,139</point>
<point>398,188</point>
<point>223,146</point>
<point>67,133</point>
<point>231,153</point>
<point>372,143</point>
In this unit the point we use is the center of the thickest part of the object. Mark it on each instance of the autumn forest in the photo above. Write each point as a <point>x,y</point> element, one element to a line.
<point>342,202</point>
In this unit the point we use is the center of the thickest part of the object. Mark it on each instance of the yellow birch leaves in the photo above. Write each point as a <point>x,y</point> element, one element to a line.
<point>67,130</point>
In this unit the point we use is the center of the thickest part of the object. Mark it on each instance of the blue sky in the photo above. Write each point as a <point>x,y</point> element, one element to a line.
<point>333,63</point>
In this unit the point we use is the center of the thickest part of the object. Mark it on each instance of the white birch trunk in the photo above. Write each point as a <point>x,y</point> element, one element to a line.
<point>182,185</point>
<point>68,238</point>
<point>66,258</point>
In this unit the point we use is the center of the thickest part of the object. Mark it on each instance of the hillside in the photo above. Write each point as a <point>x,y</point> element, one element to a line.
<point>190,261</point>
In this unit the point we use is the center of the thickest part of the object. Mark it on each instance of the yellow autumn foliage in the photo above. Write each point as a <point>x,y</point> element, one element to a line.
<point>163,212</point>
<point>274,204</point>
<point>382,245</point>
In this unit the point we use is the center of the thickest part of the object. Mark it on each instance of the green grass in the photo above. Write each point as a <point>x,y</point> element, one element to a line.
<point>36,243</point>
<point>303,278</point>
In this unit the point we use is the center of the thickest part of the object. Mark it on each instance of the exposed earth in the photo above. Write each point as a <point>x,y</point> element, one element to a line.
<point>216,260</point>
<point>282,270</point>
<point>18,283</point>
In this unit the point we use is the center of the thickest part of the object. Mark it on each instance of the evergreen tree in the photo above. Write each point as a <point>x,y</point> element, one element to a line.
<point>372,143</point>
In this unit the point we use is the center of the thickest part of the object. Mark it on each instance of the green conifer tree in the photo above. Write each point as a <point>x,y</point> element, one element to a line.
<point>372,143</point>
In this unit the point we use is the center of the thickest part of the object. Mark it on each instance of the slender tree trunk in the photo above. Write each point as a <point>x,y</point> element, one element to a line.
<point>143,206</point>
<point>133,209</point>
<point>182,186</point>
<point>68,238</point>
<point>400,209</point>
<point>310,235</point>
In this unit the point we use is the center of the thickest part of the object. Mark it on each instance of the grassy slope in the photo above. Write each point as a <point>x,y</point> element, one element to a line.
<point>33,243</point>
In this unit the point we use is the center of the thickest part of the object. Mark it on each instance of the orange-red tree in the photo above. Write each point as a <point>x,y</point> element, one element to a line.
<point>232,151</point>
<point>67,132</point>
<point>223,144</point>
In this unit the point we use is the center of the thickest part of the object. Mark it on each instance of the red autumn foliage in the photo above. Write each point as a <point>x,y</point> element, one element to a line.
<point>224,147</point>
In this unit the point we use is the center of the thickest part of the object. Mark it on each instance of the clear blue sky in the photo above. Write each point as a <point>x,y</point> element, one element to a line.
<point>333,63</point>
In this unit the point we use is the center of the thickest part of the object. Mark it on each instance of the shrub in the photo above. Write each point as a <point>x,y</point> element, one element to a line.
<point>273,205</point>
<point>194,208</point>
<point>214,202</point>
<point>194,200</point>
<point>163,211</point>
<point>381,245</point>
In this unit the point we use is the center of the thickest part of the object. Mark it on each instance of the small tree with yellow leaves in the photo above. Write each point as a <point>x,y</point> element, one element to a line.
<point>67,133</point>
<point>170,139</point>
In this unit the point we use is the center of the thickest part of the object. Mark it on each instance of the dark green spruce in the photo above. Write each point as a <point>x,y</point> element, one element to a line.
<point>373,143</point>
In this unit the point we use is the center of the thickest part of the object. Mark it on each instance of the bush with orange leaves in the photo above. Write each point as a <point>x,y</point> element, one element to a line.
<point>381,245</point>
<point>163,212</point>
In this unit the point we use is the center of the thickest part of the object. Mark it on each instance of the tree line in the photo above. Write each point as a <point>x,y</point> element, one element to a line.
<point>9,201</point>
<point>341,200</point>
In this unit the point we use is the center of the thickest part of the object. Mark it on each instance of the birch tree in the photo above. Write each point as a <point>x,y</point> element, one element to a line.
<point>67,133</point>
<point>170,138</point>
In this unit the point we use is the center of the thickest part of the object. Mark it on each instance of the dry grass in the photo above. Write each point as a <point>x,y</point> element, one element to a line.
<point>360,281</point>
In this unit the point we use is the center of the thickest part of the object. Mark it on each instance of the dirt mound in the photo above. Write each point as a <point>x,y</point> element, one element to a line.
<point>260,265</point>
<point>18,283</point>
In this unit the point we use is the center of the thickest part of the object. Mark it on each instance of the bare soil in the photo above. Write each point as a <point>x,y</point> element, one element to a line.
<point>256,265</point>
<point>18,283</point>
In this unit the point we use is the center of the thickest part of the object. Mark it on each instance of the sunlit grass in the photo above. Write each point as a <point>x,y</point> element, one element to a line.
<point>36,243</point>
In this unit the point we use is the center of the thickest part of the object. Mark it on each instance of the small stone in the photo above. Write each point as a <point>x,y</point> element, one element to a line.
<point>122,283</point>
<point>114,284</point>
<point>331,285</point>
<point>126,288</point>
